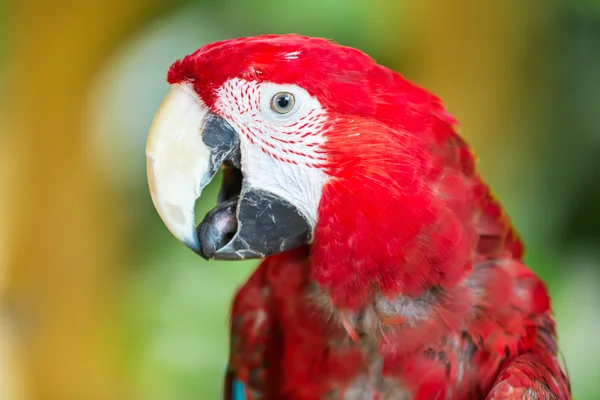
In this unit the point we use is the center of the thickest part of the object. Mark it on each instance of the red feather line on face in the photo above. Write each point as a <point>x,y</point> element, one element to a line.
<point>294,143</point>
<point>414,286</point>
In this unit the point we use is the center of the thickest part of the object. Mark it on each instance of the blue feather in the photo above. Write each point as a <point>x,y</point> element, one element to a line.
<point>238,391</point>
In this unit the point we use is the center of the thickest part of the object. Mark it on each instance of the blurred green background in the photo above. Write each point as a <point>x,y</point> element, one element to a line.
<point>98,301</point>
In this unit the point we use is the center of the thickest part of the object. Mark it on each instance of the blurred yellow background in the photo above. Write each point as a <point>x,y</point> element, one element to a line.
<point>98,301</point>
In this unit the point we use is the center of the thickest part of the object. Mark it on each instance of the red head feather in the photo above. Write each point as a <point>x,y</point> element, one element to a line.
<point>343,79</point>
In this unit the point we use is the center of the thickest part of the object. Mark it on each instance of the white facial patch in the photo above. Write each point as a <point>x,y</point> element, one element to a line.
<point>281,153</point>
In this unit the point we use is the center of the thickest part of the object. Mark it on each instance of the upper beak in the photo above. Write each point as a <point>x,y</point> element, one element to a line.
<point>186,146</point>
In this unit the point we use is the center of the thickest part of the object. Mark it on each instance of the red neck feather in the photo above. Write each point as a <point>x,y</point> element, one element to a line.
<point>387,222</point>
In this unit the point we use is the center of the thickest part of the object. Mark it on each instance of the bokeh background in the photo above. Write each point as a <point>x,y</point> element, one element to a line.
<point>99,302</point>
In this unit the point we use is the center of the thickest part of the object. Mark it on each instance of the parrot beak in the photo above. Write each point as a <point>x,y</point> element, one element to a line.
<point>187,145</point>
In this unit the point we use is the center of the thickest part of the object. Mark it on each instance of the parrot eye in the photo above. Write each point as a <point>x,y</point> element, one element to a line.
<point>283,102</point>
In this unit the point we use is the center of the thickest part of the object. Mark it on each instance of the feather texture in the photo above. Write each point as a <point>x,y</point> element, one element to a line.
<point>414,286</point>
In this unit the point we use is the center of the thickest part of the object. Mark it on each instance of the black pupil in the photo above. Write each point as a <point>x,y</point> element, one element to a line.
<point>283,101</point>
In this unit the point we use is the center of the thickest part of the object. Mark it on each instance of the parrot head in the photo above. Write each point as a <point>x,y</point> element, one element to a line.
<point>317,143</point>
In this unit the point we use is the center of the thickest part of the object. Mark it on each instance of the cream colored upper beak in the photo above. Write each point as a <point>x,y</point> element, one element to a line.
<point>178,161</point>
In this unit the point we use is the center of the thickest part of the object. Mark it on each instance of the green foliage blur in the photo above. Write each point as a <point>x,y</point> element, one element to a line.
<point>175,306</point>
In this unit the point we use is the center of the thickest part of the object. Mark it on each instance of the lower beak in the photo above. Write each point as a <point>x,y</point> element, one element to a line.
<point>186,146</point>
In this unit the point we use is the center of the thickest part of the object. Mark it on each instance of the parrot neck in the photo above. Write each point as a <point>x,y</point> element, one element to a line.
<point>374,239</point>
<point>397,218</point>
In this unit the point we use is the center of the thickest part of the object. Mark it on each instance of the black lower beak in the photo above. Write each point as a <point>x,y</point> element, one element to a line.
<point>254,224</point>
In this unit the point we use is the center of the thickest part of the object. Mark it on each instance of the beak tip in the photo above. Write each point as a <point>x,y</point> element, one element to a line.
<point>195,246</point>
